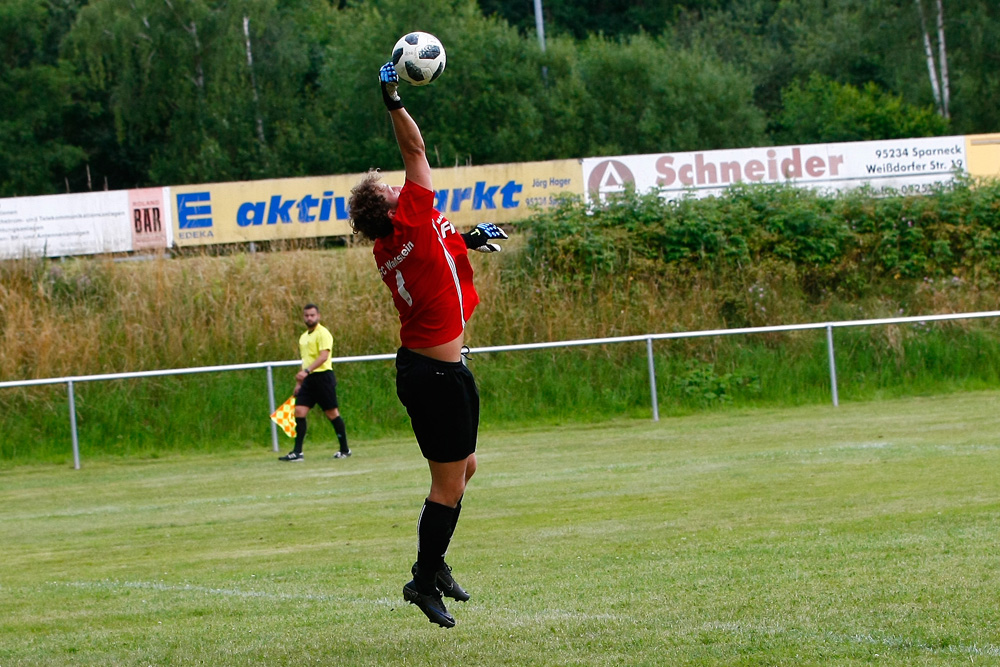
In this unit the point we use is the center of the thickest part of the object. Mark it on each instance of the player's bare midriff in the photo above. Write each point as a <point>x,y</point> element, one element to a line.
<point>450,351</point>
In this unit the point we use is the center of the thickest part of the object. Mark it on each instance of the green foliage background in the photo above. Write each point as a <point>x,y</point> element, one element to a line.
<point>851,243</point>
<point>125,93</point>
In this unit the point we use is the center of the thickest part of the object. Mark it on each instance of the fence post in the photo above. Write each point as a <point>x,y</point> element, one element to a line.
<point>72,426</point>
<point>652,379</point>
<point>833,365</point>
<point>270,402</point>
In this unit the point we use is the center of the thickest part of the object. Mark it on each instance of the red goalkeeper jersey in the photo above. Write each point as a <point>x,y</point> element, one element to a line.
<point>425,264</point>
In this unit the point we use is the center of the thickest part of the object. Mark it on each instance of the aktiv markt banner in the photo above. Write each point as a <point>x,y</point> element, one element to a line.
<point>317,206</point>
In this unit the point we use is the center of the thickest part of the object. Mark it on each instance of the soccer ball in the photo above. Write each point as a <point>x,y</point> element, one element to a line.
<point>419,58</point>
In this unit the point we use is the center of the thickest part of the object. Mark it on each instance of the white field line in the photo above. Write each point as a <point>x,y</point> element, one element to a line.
<point>902,643</point>
<point>892,642</point>
<point>112,585</point>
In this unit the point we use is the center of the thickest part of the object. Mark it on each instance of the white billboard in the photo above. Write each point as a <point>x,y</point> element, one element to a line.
<point>901,165</point>
<point>83,224</point>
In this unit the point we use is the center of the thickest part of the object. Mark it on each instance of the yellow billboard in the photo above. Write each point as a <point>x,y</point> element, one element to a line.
<point>983,153</point>
<point>295,208</point>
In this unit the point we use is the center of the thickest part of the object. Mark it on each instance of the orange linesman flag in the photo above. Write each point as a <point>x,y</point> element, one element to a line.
<point>284,417</point>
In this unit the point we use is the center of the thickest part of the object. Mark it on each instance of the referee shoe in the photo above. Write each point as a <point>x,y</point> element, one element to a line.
<point>293,456</point>
<point>432,605</point>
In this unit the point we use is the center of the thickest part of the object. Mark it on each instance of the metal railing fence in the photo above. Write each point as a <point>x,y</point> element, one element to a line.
<point>647,338</point>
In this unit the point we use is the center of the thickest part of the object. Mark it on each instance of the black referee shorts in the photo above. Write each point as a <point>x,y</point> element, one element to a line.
<point>320,387</point>
<point>443,403</point>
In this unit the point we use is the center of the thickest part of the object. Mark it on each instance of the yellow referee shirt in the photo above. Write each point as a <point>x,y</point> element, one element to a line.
<point>311,343</point>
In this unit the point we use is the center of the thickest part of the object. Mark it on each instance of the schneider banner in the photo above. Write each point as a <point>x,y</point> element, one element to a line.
<point>317,206</point>
<point>83,224</point>
<point>906,166</point>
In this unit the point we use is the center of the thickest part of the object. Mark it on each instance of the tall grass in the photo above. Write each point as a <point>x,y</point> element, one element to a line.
<point>559,278</point>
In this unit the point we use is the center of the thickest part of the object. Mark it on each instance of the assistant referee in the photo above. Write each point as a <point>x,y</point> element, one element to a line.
<point>316,383</point>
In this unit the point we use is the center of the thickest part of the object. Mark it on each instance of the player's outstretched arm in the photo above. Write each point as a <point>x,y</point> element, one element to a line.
<point>482,236</point>
<point>411,142</point>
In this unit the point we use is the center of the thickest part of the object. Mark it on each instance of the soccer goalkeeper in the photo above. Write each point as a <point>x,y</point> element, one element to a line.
<point>424,262</point>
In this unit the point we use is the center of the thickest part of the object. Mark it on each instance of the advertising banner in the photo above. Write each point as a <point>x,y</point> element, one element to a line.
<point>265,210</point>
<point>901,165</point>
<point>984,155</point>
<point>297,208</point>
<point>59,225</point>
<point>154,218</point>
<point>151,227</point>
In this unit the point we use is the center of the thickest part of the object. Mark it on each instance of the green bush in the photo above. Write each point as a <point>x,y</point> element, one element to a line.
<point>831,241</point>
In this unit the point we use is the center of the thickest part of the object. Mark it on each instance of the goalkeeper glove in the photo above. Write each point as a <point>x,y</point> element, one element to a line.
<point>389,79</point>
<point>480,237</point>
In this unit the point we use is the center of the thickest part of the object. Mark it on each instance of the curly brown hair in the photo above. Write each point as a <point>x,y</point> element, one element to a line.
<point>369,209</point>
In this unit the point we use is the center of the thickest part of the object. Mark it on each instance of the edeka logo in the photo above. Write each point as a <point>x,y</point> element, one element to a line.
<point>609,176</point>
<point>194,215</point>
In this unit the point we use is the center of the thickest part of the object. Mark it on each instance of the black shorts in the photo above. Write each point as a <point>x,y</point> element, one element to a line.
<point>443,403</point>
<point>319,388</point>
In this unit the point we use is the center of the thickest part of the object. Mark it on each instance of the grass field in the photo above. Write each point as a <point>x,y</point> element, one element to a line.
<point>801,536</point>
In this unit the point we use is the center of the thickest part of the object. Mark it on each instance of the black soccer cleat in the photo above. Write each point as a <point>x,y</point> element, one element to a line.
<point>342,455</point>
<point>446,583</point>
<point>432,605</point>
<point>449,587</point>
<point>292,456</point>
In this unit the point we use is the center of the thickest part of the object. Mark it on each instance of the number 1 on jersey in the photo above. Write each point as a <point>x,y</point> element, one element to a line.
<point>401,290</point>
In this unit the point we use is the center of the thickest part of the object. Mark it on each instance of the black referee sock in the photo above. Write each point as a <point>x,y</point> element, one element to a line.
<point>300,433</point>
<point>434,529</point>
<point>338,426</point>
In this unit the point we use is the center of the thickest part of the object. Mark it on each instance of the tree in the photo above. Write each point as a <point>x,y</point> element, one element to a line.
<point>974,73</point>
<point>38,98</point>
<point>155,92</point>
<point>856,42</point>
<point>186,101</point>
<point>610,18</point>
<point>647,95</point>
<point>824,111</point>
<point>936,70</point>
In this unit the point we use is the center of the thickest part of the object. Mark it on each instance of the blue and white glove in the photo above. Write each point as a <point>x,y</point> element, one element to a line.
<point>480,237</point>
<point>389,79</point>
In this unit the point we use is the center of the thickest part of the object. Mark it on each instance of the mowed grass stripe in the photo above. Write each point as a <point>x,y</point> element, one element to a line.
<point>814,535</point>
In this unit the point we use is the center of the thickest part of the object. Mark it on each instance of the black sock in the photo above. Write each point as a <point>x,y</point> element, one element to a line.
<point>454,521</point>
<point>338,426</point>
<point>300,433</point>
<point>434,530</point>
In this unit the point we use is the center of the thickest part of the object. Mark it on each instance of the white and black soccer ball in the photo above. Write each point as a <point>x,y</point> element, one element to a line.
<point>419,58</point>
